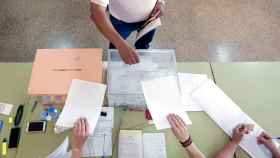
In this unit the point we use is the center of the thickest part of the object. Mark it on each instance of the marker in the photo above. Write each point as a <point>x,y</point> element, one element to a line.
<point>10,120</point>
<point>4,147</point>
<point>278,138</point>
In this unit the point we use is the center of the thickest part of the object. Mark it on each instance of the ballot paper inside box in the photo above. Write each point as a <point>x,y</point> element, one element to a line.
<point>124,81</point>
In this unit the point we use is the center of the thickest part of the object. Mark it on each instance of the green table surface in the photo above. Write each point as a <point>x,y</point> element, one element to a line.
<point>235,79</point>
<point>14,79</point>
<point>254,86</point>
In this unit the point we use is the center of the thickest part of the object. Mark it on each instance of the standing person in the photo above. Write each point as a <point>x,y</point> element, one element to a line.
<point>126,16</point>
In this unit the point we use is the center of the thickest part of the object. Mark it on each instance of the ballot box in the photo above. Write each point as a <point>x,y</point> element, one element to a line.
<point>124,81</point>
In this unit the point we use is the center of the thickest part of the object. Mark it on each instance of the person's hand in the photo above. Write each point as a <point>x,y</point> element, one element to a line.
<point>266,140</point>
<point>128,54</point>
<point>158,10</point>
<point>239,131</point>
<point>178,127</point>
<point>80,134</point>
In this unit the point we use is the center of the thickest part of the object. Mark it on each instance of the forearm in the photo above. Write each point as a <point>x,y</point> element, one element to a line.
<point>227,151</point>
<point>76,153</point>
<point>275,152</point>
<point>99,17</point>
<point>194,152</point>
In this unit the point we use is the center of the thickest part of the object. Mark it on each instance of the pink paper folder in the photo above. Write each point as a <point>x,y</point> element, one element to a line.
<point>54,69</point>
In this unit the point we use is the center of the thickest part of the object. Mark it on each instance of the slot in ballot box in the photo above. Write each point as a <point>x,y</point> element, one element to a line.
<point>124,81</point>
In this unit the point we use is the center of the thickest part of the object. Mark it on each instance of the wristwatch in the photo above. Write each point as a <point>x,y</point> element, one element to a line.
<point>187,143</point>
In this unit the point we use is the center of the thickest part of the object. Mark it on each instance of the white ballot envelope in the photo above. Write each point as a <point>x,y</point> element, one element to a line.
<point>163,97</point>
<point>84,100</point>
<point>228,115</point>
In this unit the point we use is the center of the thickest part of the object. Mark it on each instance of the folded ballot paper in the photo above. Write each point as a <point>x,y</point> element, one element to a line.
<point>228,115</point>
<point>163,97</point>
<point>188,83</point>
<point>84,100</point>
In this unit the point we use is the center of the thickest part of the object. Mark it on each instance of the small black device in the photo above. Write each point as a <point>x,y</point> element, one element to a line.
<point>14,137</point>
<point>36,126</point>
<point>19,115</point>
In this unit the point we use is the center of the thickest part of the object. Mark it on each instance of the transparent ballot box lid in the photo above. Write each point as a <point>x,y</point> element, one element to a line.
<point>124,81</point>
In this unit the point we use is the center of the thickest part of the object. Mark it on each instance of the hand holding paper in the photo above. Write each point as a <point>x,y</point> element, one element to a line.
<point>84,100</point>
<point>163,97</point>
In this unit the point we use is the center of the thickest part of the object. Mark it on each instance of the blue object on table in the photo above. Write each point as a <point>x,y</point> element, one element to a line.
<point>49,114</point>
<point>1,125</point>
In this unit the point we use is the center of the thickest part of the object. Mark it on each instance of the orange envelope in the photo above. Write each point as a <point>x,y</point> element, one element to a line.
<point>54,69</point>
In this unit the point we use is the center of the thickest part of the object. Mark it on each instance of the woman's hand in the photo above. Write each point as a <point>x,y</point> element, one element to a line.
<point>80,134</point>
<point>178,127</point>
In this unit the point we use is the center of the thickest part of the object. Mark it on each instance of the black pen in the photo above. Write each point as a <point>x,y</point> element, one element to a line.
<point>34,105</point>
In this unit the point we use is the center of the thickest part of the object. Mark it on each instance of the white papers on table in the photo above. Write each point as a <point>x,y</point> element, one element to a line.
<point>228,115</point>
<point>133,144</point>
<point>188,83</point>
<point>163,97</point>
<point>130,144</point>
<point>61,151</point>
<point>5,108</point>
<point>105,122</point>
<point>100,143</point>
<point>84,100</point>
<point>154,145</point>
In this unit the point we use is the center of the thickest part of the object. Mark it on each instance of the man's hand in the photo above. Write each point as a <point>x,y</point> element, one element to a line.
<point>178,127</point>
<point>240,131</point>
<point>266,140</point>
<point>79,135</point>
<point>158,10</point>
<point>128,54</point>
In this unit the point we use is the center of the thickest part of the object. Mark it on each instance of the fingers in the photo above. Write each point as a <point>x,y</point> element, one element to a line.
<point>87,128</point>
<point>172,120</point>
<point>81,127</point>
<point>263,138</point>
<point>136,57</point>
<point>131,58</point>
<point>182,123</point>
<point>244,128</point>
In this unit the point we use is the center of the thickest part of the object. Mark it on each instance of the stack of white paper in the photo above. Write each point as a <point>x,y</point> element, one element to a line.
<point>228,115</point>
<point>100,143</point>
<point>154,145</point>
<point>133,144</point>
<point>130,144</point>
<point>5,108</point>
<point>84,100</point>
<point>163,97</point>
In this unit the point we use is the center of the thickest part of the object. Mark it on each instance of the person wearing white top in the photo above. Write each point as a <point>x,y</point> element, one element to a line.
<point>126,16</point>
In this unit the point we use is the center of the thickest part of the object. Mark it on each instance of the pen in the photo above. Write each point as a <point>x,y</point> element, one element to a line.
<point>4,147</point>
<point>34,105</point>
<point>278,138</point>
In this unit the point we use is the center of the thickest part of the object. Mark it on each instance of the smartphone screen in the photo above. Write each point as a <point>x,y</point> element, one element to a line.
<point>14,137</point>
<point>36,126</point>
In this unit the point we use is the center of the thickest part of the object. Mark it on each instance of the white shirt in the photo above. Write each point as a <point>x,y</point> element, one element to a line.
<point>129,11</point>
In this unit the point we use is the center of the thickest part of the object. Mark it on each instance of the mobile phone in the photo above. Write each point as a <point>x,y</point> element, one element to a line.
<point>14,137</point>
<point>36,126</point>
